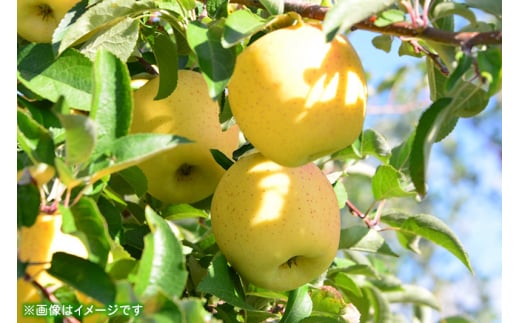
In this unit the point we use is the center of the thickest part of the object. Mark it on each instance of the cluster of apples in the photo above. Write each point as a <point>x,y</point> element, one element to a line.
<point>295,98</point>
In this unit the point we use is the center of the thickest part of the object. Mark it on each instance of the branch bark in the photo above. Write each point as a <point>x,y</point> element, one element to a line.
<point>465,40</point>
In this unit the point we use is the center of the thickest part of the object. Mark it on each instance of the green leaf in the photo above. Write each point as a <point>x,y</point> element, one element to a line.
<point>85,276</point>
<point>162,268</point>
<point>221,159</point>
<point>193,310</point>
<point>364,239</point>
<point>343,281</point>
<point>27,204</point>
<point>383,42</point>
<point>130,150</point>
<point>388,182</point>
<point>100,16</point>
<point>34,139</point>
<point>327,301</point>
<point>84,221</point>
<point>463,65</point>
<point>425,136</point>
<point>490,66</point>
<point>345,14</point>
<point>299,305</point>
<point>413,294</point>
<point>132,178</point>
<point>215,61</point>
<point>241,25</point>
<point>111,100</point>
<point>119,39</point>
<point>274,7</point>
<point>431,228</point>
<point>491,6</point>
<point>80,137</point>
<point>164,49</point>
<point>448,9</point>
<point>217,8</point>
<point>381,307</point>
<point>182,211</point>
<point>222,282</point>
<point>389,17</point>
<point>341,193</point>
<point>69,75</point>
<point>400,155</point>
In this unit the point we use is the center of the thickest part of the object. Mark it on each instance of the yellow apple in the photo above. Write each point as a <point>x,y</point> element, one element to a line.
<point>37,244</point>
<point>37,19</point>
<point>296,97</point>
<point>277,226</point>
<point>187,173</point>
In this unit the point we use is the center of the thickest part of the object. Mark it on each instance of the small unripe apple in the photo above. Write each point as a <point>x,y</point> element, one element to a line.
<point>277,226</point>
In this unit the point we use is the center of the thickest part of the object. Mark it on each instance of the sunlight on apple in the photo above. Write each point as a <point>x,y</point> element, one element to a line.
<point>275,188</point>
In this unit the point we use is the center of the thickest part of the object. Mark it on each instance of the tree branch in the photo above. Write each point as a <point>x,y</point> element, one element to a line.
<point>402,29</point>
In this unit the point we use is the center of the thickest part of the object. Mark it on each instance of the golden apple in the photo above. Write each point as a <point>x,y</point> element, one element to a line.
<point>37,244</point>
<point>277,226</point>
<point>296,97</point>
<point>37,19</point>
<point>187,173</point>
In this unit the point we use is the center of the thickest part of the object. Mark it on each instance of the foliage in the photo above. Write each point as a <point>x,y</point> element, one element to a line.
<point>74,108</point>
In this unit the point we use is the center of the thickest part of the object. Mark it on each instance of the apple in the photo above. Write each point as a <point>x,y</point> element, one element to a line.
<point>277,226</point>
<point>37,19</point>
<point>37,244</point>
<point>297,97</point>
<point>187,173</point>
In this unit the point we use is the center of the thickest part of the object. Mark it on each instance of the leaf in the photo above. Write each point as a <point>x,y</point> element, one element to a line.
<point>274,7</point>
<point>80,137</point>
<point>327,301</point>
<point>162,268</point>
<point>223,283</point>
<point>215,61</point>
<point>221,159</point>
<point>491,6</point>
<point>85,276</point>
<point>119,39</point>
<point>361,238</point>
<point>183,211</point>
<point>448,9</point>
<point>111,99</point>
<point>463,65</point>
<point>389,17</point>
<point>380,305</point>
<point>425,136</point>
<point>341,194</point>
<point>101,15</point>
<point>343,281</point>
<point>84,221</point>
<point>299,305</point>
<point>490,66</point>
<point>164,49</point>
<point>69,75</point>
<point>345,14</point>
<point>27,204</point>
<point>34,139</point>
<point>431,228</point>
<point>413,294</point>
<point>388,182</point>
<point>240,25</point>
<point>383,42</point>
<point>130,150</point>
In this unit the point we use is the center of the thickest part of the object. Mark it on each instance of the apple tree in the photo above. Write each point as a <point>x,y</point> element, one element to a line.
<point>151,261</point>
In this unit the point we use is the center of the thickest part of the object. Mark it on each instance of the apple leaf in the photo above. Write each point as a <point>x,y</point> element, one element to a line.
<point>99,16</point>
<point>412,294</point>
<point>343,281</point>
<point>380,305</point>
<point>215,61</point>
<point>221,158</point>
<point>274,7</point>
<point>383,42</point>
<point>162,268</point>
<point>111,99</point>
<point>182,211</point>
<point>27,204</point>
<point>34,139</point>
<point>129,151</point>
<point>84,220</point>
<point>164,49</point>
<point>119,39</point>
<point>223,282</point>
<point>69,75</point>
<point>449,9</point>
<point>240,25</point>
<point>84,275</point>
<point>425,136</point>
<point>345,14</point>
<point>130,180</point>
<point>299,305</point>
<point>364,239</point>
<point>431,228</point>
<point>388,182</point>
<point>80,137</point>
<point>490,66</point>
<point>327,301</point>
